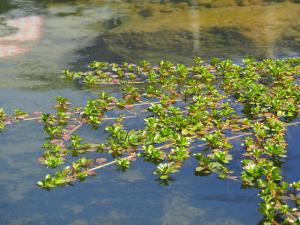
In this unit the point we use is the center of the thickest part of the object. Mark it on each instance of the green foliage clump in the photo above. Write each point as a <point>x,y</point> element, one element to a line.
<point>2,119</point>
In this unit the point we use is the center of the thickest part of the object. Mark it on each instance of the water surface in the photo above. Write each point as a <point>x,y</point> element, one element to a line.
<point>73,33</point>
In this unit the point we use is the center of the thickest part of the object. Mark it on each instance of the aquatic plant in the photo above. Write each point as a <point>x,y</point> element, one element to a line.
<point>184,111</point>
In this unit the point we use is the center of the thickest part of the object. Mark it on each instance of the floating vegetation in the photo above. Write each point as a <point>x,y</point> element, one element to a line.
<point>187,111</point>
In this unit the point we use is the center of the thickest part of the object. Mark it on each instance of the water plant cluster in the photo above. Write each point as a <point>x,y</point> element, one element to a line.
<point>184,111</point>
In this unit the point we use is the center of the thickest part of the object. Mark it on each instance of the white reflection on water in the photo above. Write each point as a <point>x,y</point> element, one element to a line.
<point>195,23</point>
<point>28,29</point>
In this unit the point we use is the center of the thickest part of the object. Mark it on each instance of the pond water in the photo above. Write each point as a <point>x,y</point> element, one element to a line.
<point>40,38</point>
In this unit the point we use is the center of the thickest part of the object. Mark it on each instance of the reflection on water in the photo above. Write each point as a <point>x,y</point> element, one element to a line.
<point>5,6</point>
<point>180,32</point>
<point>49,36</point>
<point>76,32</point>
<point>179,212</point>
<point>28,29</point>
<point>111,197</point>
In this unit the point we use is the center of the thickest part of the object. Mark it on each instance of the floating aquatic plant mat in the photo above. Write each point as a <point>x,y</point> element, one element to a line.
<point>181,112</point>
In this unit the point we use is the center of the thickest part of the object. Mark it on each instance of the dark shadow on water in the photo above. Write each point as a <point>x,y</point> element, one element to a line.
<point>290,41</point>
<point>176,46</point>
<point>6,5</point>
